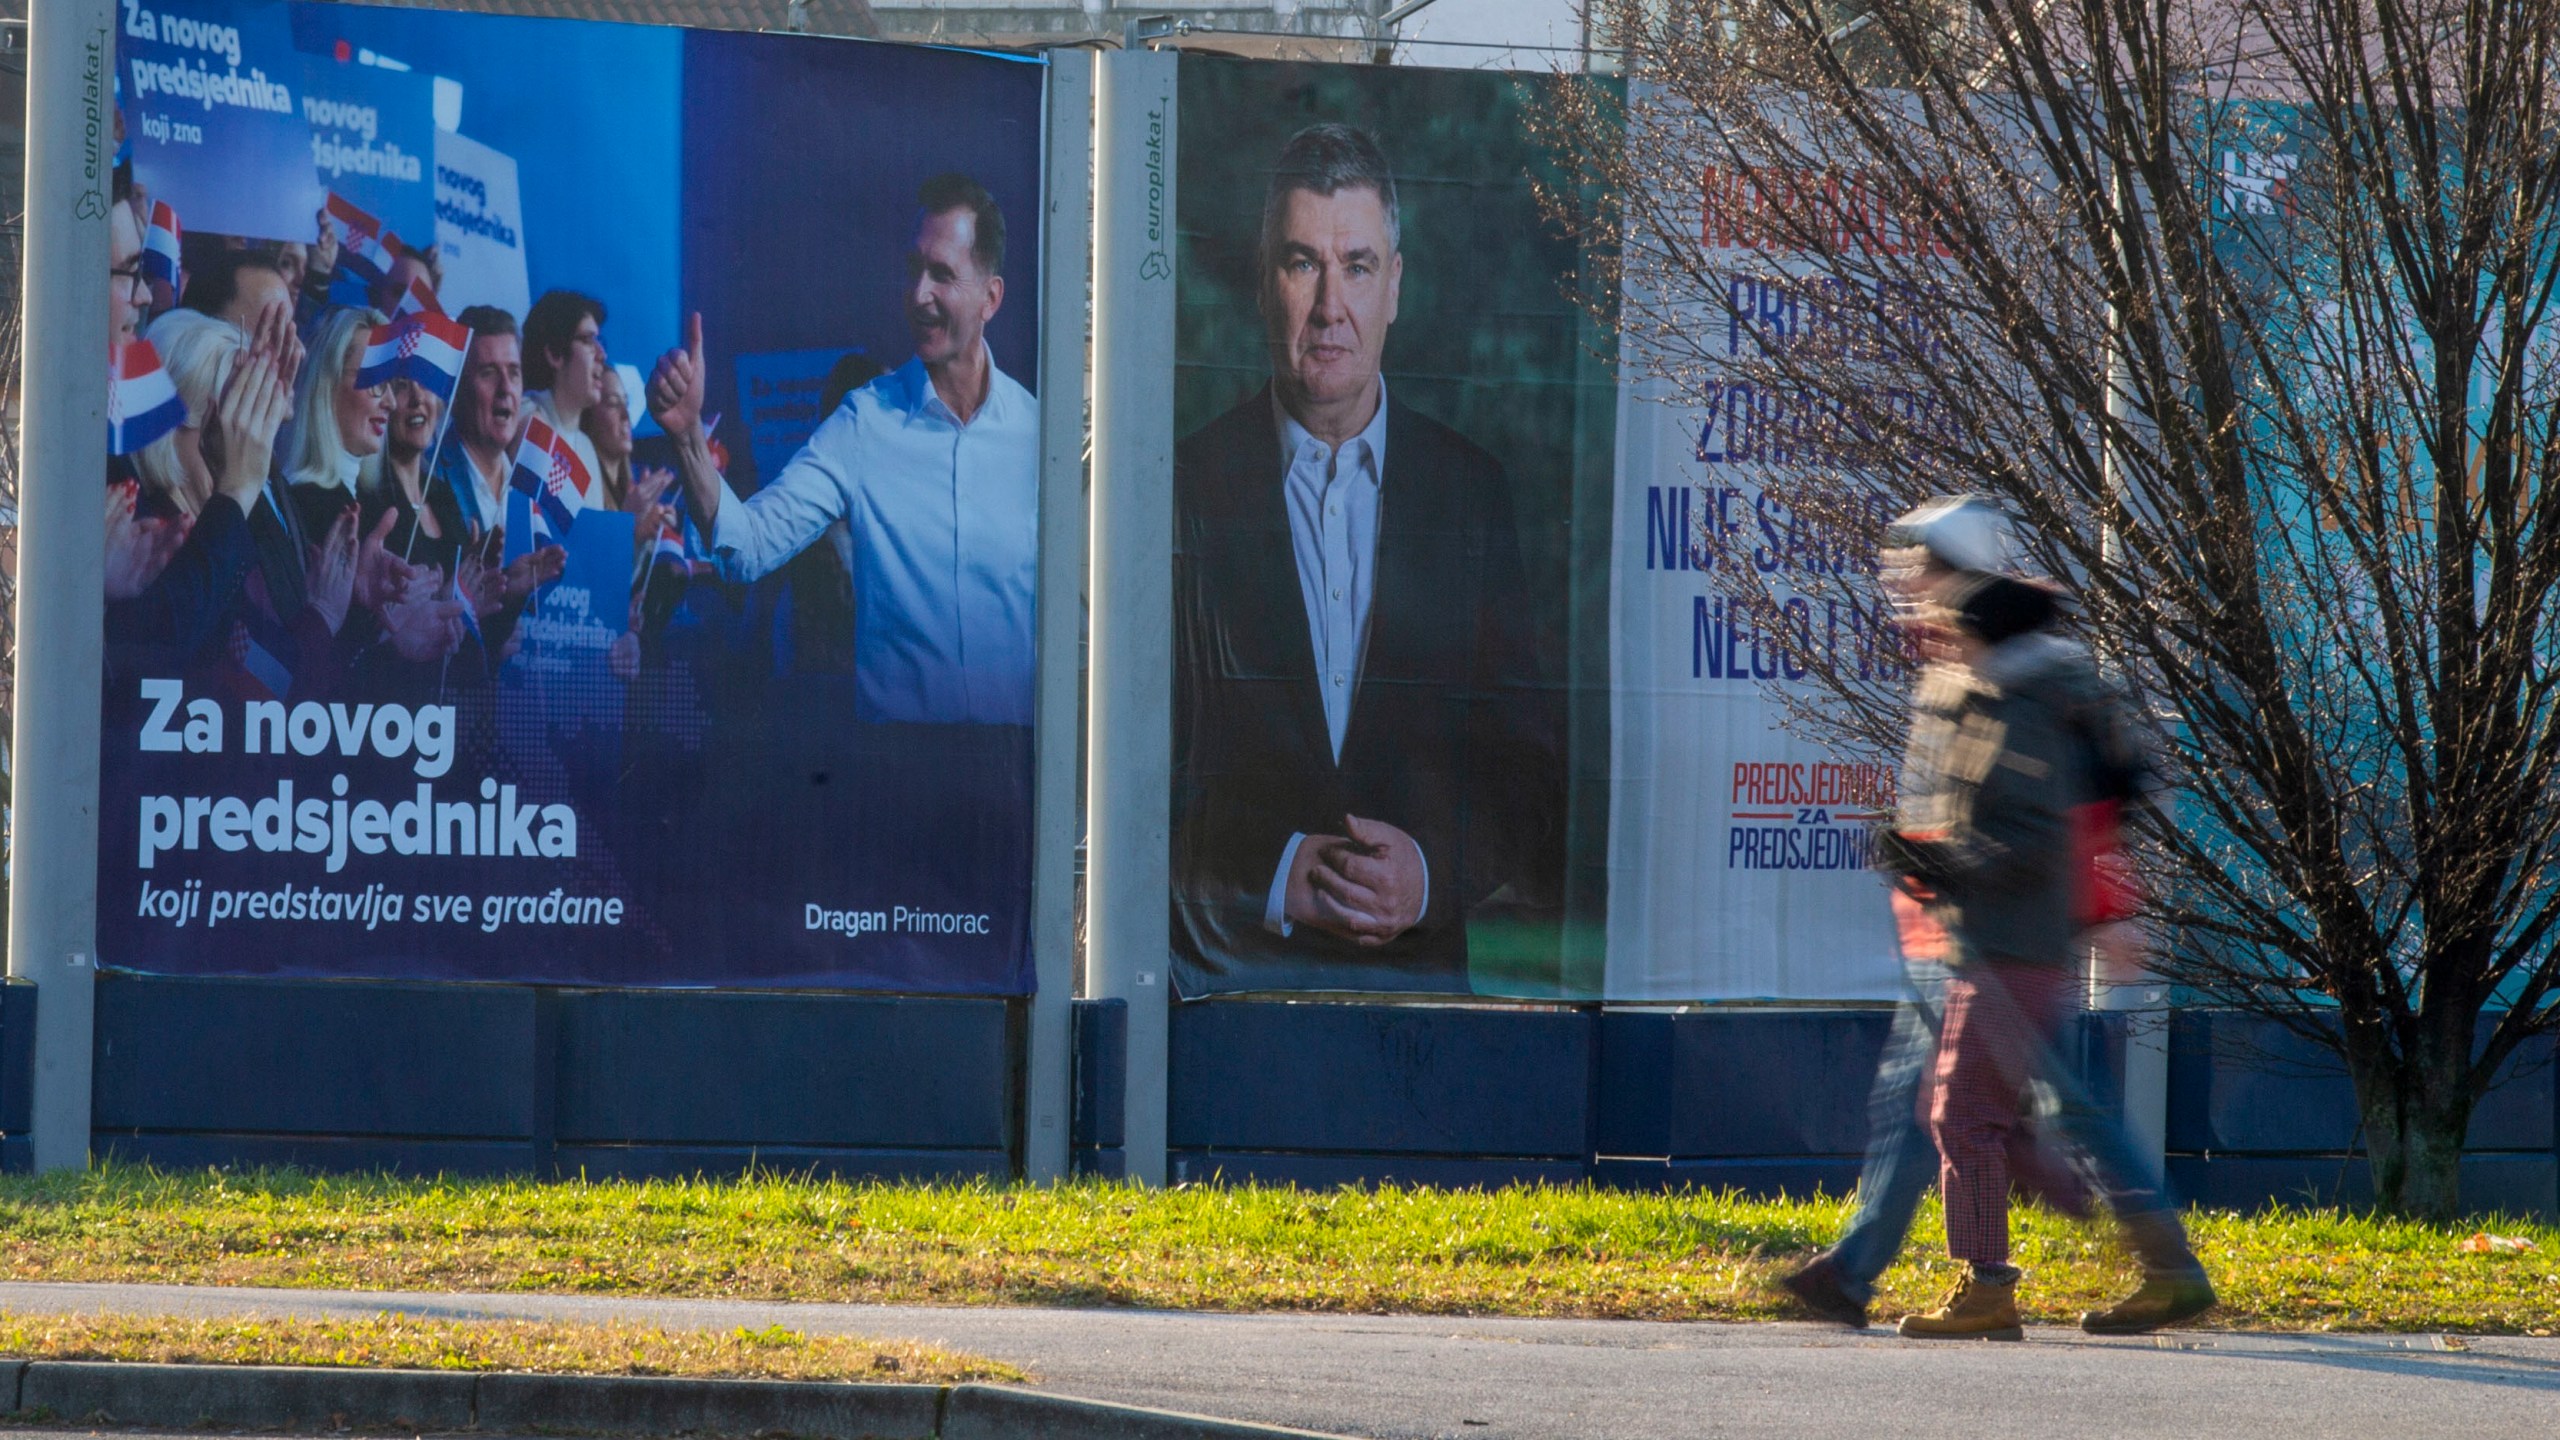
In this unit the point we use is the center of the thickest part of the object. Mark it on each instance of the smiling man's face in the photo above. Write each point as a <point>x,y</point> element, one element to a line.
<point>950,296</point>
<point>1328,298</point>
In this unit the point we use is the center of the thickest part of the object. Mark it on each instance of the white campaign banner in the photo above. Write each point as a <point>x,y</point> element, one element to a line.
<point>1738,848</point>
<point>479,227</point>
<point>1738,852</point>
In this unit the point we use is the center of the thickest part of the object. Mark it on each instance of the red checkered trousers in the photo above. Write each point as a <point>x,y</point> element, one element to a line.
<point>2001,1021</point>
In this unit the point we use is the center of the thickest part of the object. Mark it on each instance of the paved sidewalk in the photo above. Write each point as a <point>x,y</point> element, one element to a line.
<point>1407,1378</point>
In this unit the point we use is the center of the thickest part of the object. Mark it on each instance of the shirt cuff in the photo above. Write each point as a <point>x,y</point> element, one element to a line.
<point>1426,883</point>
<point>1275,908</point>
<point>724,536</point>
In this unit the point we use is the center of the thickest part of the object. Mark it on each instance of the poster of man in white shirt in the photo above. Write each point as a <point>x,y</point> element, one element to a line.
<point>935,469</point>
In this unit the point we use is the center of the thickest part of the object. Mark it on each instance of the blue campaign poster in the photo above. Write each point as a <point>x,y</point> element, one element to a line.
<point>212,97</point>
<point>373,137</point>
<point>353,731</point>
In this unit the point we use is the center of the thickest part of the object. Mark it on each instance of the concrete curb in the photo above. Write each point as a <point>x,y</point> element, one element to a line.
<point>993,1412</point>
<point>299,1398</point>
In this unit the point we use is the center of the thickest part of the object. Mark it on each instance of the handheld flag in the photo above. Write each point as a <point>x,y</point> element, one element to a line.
<point>669,545</point>
<point>142,402</point>
<point>669,542</point>
<point>364,258</point>
<point>160,245</point>
<point>423,346</point>
<point>418,301</point>
<point>551,476</point>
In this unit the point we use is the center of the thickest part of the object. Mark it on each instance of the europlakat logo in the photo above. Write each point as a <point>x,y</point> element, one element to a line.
<point>1157,265</point>
<point>92,203</point>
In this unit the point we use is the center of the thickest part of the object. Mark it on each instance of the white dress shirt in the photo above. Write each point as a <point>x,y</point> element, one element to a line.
<point>945,529</point>
<point>1332,494</point>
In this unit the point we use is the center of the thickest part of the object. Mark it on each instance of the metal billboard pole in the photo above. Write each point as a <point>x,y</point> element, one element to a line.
<point>2144,1000</point>
<point>53,880</point>
<point>1129,787</point>
<point>1066,309</point>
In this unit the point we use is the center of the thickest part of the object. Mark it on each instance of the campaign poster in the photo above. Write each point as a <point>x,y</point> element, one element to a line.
<point>373,130</point>
<point>1392,477</point>
<point>199,78</point>
<point>480,226</point>
<point>483,602</point>
<point>1740,842</point>
<point>1740,850</point>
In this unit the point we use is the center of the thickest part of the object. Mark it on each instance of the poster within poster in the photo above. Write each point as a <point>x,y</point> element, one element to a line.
<point>443,677</point>
<point>1392,442</point>
<point>373,135</point>
<point>212,105</point>
<point>480,229</point>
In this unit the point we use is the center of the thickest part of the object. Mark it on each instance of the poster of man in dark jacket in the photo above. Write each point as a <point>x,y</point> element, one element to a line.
<point>1366,741</point>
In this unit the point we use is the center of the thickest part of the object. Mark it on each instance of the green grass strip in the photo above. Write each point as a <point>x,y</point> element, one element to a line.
<point>1535,1250</point>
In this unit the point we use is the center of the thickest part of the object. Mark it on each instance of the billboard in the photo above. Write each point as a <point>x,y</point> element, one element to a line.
<point>1391,480</point>
<point>1743,808</point>
<point>442,645</point>
<point>1458,709</point>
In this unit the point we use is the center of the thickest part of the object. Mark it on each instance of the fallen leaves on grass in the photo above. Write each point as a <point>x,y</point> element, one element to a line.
<point>407,1342</point>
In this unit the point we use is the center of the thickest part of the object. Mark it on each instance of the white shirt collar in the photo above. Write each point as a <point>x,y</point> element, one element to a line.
<point>926,400</point>
<point>1295,437</point>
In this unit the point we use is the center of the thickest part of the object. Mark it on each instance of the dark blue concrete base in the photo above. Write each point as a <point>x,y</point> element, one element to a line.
<point>1325,1172</point>
<point>1756,1177</point>
<point>495,1079</point>
<point>2492,1183</point>
<point>677,1162</point>
<point>413,1156</point>
<point>489,1080</point>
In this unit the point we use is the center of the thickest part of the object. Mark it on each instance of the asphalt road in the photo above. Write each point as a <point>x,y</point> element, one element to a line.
<point>1407,1378</point>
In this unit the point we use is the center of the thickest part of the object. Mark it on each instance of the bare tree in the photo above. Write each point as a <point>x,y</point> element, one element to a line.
<point>2244,310</point>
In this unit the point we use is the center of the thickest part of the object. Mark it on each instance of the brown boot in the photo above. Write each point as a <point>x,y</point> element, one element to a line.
<point>1817,1288</point>
<point>2163,1300</point>
<point>1978,1309</point>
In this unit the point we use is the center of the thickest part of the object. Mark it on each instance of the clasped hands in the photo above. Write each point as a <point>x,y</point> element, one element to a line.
<point>1367,887</point>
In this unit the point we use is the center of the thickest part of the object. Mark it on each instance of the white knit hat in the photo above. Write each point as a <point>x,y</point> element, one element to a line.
<point>1961,532</point>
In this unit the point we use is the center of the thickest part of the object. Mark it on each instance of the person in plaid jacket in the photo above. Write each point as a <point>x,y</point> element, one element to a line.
<point>2021,759</point>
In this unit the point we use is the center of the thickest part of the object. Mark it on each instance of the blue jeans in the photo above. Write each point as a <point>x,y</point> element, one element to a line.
<point>1902,1158</point>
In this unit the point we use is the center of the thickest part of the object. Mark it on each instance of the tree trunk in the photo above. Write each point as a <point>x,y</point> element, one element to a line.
<point>2416,1114</point>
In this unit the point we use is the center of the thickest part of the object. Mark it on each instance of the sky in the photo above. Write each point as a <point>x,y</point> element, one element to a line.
<point>1485,30</point>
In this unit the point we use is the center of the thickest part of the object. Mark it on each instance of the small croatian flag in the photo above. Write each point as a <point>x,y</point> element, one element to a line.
<point>365,256</point>
<point>418,301</point>
<point>423,346</point>
<point>160,245</point>
<point>669,543</point>
<point>142,403</point>
<point>551,476</point>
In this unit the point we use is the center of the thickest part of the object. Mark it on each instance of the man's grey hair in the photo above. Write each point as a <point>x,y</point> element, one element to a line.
<point>1325,160</point>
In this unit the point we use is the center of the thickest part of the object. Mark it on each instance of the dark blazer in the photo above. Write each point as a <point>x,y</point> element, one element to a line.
<point>1455,732</point>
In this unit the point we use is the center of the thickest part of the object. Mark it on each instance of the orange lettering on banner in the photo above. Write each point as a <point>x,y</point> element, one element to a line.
<point>1767,207</point>
<point>1827,783</point>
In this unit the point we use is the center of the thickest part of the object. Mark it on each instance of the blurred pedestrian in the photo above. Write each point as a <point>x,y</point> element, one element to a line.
<point>2014,738</point>
<point>1902,1156</point>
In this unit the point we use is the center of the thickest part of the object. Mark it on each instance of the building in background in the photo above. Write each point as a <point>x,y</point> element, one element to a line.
<point>1461,34</point>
